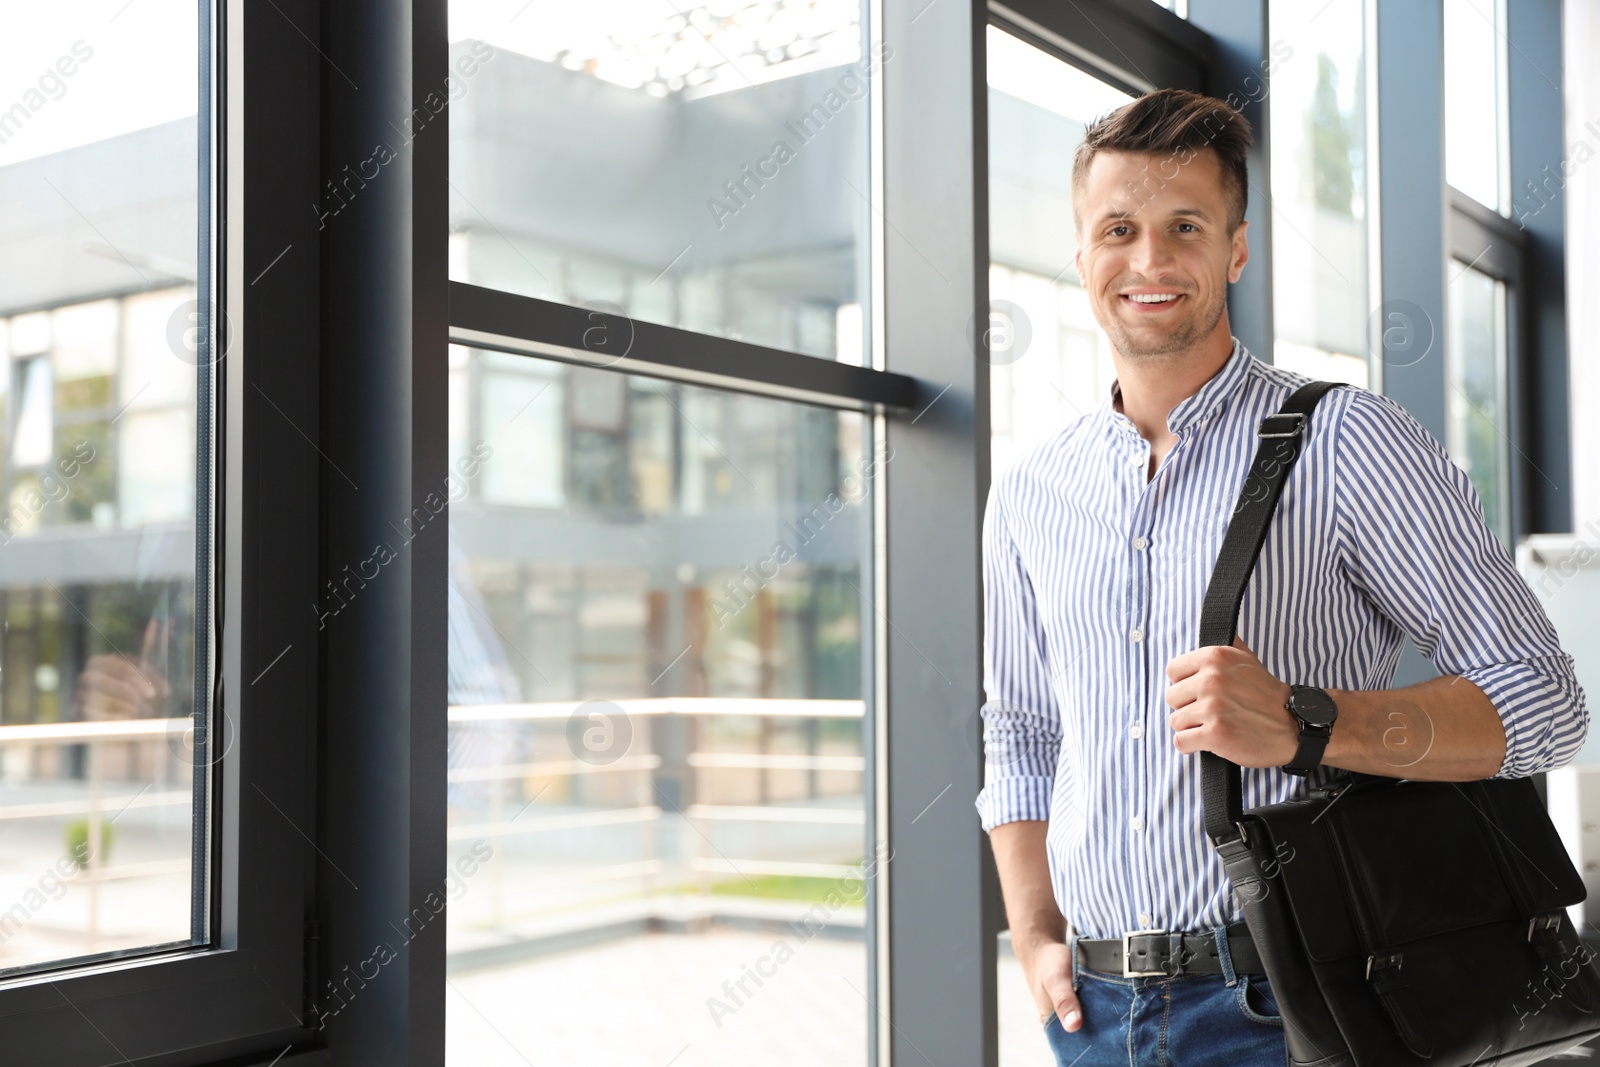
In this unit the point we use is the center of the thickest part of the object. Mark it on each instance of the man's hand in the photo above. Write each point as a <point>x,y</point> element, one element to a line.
<point>1038,930</point>
<point>116,687</point>
<point>1226,702</point>
<point>1048,968</point>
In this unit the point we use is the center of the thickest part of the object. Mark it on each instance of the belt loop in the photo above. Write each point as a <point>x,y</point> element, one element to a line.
<point>1221,935</point>
<point>1072,951</point>
<point>1176,963</point>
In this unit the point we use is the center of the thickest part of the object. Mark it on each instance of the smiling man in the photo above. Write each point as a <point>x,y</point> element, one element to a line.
<point>1097,547</point>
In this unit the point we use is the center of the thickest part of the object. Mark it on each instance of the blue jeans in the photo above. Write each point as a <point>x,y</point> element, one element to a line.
<point>1189,1020</point>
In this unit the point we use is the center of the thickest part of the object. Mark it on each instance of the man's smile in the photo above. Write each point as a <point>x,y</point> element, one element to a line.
<point>1150,301</point>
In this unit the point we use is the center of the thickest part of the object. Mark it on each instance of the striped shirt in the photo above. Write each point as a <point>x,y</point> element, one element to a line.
<point>1093,582</point>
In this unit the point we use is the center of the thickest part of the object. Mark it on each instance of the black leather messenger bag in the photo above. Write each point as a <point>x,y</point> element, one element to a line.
<point>1399,922</point>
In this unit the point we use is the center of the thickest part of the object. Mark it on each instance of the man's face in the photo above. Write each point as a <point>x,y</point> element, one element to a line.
<point>1154,250</point>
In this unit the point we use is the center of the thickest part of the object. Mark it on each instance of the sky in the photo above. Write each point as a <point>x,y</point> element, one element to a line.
<point>143,69</point>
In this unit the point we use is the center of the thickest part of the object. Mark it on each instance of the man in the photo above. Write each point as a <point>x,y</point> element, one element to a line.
<point>1097,548</point>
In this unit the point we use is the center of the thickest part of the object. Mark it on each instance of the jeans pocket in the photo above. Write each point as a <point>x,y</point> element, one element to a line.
<point>1256,1000</point>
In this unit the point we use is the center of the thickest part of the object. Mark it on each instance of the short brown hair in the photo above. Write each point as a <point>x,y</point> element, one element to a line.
<point>1173,122</point>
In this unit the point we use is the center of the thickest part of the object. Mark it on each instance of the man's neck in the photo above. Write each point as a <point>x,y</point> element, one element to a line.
<point>1150,388</point>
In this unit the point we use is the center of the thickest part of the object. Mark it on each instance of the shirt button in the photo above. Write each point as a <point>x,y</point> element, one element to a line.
<point>1144,918</point>
<point>1136,634</point>
<point>1137,463</point>
<point>1138,822</point>
<point>1139,542</point>
<point>1137,731</point>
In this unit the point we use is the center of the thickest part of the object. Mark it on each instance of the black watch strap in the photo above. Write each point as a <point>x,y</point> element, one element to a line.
<point>1313,743</point>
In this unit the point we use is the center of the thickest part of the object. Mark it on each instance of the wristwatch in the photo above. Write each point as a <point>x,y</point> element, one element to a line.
<point>1316,711</point>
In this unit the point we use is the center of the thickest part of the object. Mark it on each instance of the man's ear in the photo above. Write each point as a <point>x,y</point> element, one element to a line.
<point>1240,252</point>
<point>1077,262</point>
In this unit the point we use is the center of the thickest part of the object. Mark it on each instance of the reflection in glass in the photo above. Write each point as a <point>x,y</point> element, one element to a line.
<point>696,165</point>
<point>1473,113</point>
<point>657,774</point>
<point>1049,360</point>
<point>1320,248</point>
<point>98,425</point>
<point>1475,369</point>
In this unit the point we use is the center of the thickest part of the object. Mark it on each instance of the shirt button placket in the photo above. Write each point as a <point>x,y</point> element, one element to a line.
<point>1138,784</point>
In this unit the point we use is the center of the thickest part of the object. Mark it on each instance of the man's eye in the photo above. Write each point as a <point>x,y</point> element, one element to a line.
<point>1192,227</point>
<point>1116,231</point>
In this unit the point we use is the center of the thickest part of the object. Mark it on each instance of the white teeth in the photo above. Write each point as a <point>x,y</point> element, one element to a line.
<point>1152,298</point>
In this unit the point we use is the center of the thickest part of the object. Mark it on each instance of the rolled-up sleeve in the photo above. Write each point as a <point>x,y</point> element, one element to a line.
<point>1414,538</point>
<point>1021,724</point>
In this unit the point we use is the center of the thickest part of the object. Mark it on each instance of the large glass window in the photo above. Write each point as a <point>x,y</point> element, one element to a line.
<point>1475,372</point>
<point>1474,99</point>
<point>1323,314</point>
<point>701,165</point>
<point>1049,360</point>
<point>658,595</point>
<point>104,363</point>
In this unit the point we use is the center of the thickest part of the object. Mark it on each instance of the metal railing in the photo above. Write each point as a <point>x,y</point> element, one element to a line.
<point>652,872</point>
<point>17,744</point>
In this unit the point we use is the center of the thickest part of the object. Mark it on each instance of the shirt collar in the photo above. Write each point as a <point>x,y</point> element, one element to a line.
<point>1198,406</point>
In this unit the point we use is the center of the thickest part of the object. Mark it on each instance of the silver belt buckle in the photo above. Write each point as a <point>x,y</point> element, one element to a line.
<point>1127,955</point>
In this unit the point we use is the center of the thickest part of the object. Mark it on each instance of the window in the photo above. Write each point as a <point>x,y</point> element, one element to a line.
<point>103,668</point>
<point>1049,362</point>
<point>1474,100</point>
<point>1321,240</point>
<point>660,618</point>
<point>1475,370</point>
<point>700,165</point>
<point>656,723</point>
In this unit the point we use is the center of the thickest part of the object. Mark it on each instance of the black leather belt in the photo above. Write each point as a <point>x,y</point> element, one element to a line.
<point>1169,952</point>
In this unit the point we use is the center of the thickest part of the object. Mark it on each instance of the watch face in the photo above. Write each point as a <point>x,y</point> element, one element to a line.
<point>1313,705</point>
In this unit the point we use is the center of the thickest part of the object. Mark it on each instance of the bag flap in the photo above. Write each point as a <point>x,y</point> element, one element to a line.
<point>1411,860</point>
<point>1302,864</point>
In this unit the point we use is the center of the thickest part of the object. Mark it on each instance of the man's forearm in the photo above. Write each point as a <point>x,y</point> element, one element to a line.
<point>1031,910</point>
<point>1441,730</point>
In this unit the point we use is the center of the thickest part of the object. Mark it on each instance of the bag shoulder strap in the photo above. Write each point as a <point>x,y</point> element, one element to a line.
<point>1281,435</point>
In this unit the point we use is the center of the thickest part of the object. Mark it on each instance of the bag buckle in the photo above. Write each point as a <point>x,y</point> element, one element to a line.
<point>1390,962</point>
<point>1297,420</point>
<point>1550,921</point>
<point>1128,955</point>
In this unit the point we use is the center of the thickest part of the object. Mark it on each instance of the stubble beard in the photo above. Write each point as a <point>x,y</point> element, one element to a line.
<point>1160,348</point>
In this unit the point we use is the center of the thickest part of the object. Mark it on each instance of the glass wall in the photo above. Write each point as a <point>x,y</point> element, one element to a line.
<point>1049,360</point>
<point>1323,312</point>
<point>1474,100</point>
<point>1475,363</point>
<point>98,431</point>
<point>698,165</point>
<point>657,689</point>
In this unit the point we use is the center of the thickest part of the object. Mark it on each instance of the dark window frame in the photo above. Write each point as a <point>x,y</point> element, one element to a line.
<point>243,990</point>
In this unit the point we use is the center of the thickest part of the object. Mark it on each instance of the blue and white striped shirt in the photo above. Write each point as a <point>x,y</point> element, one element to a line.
<point>1094,579</point>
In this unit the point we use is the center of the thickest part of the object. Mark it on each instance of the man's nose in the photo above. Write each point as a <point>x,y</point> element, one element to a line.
<point>1150,254</point>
